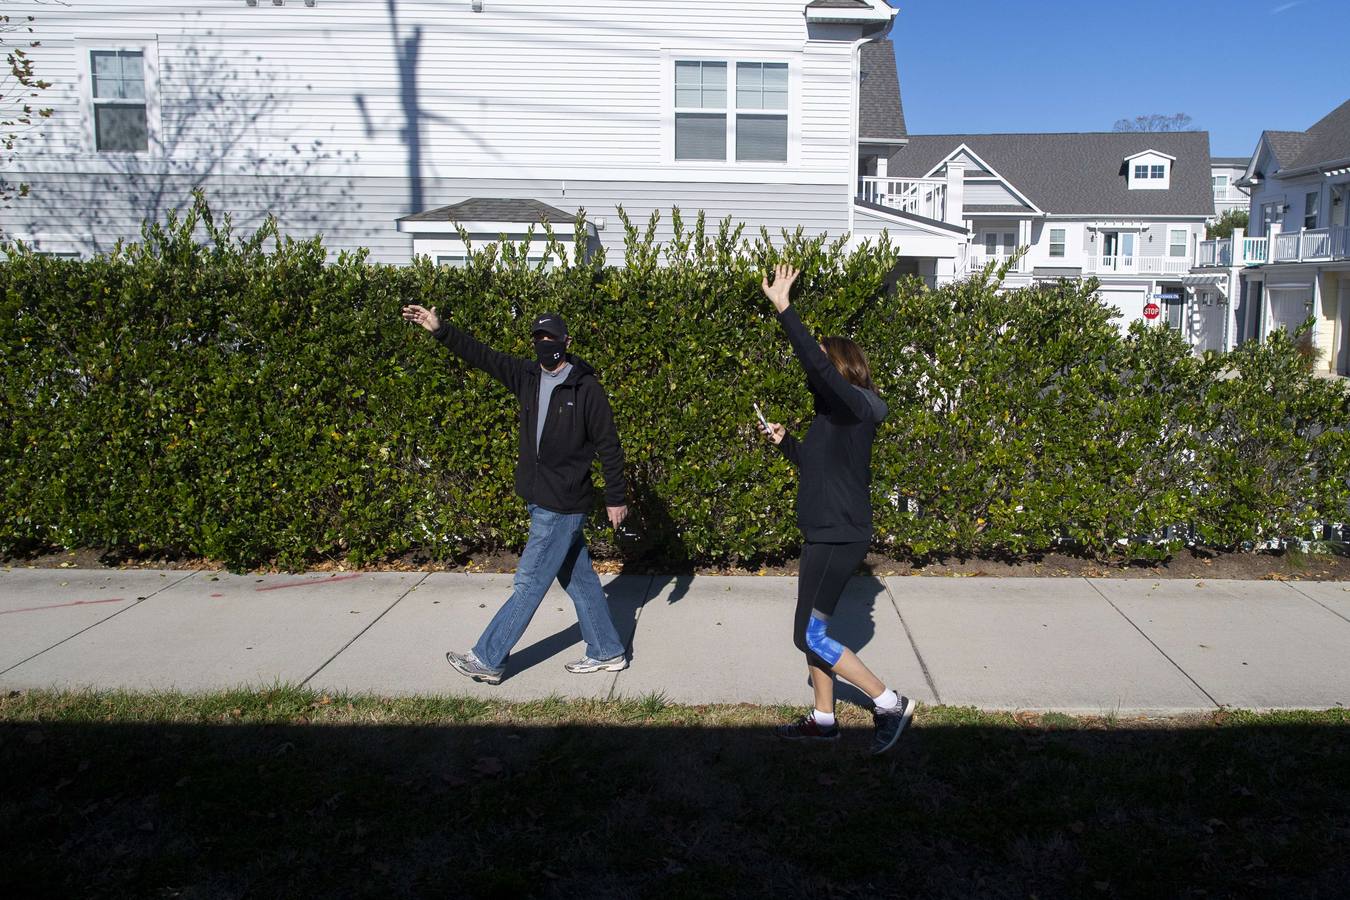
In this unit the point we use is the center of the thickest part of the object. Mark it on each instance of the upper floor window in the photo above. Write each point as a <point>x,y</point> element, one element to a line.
<point>1310,209</point>
<point>1057,242</point>
<point>1176,242</point>
<point>746,119</point>
<point>1220,183</point>
<point>1149,170</point>
<point>120,112</point>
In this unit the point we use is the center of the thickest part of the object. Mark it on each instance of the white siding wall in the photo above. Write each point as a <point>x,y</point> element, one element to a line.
<point>342,117</point>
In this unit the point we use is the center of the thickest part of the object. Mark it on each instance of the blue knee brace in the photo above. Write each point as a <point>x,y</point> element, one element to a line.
<point>820,643</point>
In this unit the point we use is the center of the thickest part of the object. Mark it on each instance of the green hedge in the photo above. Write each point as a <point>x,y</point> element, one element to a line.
<point>252,400</point>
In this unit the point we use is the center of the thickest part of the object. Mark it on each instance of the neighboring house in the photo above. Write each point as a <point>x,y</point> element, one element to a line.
<point>1225,173</point>
<point>1127,208</point>
<point>1293,261</point>
<point>392,124</point>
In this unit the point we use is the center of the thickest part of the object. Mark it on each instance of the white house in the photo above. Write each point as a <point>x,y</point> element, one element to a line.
<point>391,124</point>
<point>1127,208</point>
<point>1226,172</point>
<point>1293,261</point>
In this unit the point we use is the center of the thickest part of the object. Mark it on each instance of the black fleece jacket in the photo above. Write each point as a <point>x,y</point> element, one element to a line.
<point>834,460</point>
<point>578,426</point>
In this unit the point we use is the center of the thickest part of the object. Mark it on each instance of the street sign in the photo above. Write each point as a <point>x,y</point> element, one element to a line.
<point>1167,296</point>
<point>1151,310</point>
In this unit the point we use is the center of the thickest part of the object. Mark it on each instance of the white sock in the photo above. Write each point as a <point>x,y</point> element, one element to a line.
<point>823,719</point>
<point>887,699</point>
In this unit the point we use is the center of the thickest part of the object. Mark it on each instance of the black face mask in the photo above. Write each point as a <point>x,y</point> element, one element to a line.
<point>549,353</point>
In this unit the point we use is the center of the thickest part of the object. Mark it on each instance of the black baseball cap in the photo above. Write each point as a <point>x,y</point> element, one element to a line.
<point>550,323</point>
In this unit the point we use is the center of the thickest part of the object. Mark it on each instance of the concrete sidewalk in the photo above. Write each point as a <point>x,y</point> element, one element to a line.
<point>1087,646</point>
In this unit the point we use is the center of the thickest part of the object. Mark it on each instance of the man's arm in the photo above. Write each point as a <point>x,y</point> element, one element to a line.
<point>508,369</point>
<point>600,426</point>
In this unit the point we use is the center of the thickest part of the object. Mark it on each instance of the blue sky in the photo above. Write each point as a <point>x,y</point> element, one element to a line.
<point>1237,68</point>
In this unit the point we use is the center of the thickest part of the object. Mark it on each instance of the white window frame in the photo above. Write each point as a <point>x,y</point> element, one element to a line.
<point>1312,210</point>
<point>1172,243</point>
<point>793,113</point>
<point>1062,243</point>
<point>148,47</point>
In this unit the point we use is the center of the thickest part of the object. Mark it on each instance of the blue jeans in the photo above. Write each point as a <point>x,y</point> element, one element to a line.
<point>556,548</point>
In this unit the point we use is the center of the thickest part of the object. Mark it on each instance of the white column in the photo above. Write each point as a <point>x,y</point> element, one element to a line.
<point>956,192</point>
<point>1023,240</point>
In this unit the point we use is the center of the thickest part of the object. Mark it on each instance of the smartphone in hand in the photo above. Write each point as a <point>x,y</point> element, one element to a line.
<point>763,422</point>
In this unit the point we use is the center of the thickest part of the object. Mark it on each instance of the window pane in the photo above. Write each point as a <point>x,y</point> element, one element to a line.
<point>775,99</point>
<point>714,98</point>
<point>1176,243</point>
<point>990,244</point>
<point>687,73</point>
<point>1127,244</point>
<point>1141,171</point>
<point>1158,172</point>
<point>700,136</point>
<point>761,137</point>
<point>120,127</point>
<point>1056,241</point>
<point>714,75</point>
<point>776,77</point>
<point>750,85</point>
<point>118,74</point>
<point>688,97</point>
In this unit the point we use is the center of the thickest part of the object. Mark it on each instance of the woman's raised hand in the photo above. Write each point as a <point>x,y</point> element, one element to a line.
<point>420,315</point>
<point>783,277</point>
<point>774,432</point>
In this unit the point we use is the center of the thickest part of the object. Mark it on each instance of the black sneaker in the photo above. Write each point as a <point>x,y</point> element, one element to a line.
<point>807,729</point>
<point>889,723</point>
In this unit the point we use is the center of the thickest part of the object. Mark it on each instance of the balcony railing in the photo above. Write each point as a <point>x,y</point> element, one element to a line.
<point>1138,265</point>
<point>1312,244</point>
<point>978,259</point>
<point>925,197</point>
<point>1220,252</point>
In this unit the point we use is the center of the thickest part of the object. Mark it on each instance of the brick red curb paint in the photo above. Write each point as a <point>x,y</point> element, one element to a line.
<point>59,605</point>
<point>277,587</point>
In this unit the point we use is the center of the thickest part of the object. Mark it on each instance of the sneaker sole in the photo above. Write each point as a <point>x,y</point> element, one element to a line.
<point>472,676</point>
<point>613,667</point>
<point>904,723</point>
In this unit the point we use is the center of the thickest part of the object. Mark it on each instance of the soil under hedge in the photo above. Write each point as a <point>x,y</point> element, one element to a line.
<point>1265,565</point>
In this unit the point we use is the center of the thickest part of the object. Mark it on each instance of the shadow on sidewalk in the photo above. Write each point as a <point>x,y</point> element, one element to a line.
<point>969,808</point>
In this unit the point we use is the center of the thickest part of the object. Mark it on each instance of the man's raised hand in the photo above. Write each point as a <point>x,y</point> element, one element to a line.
<point>420,315</point>
<point>783,277</point>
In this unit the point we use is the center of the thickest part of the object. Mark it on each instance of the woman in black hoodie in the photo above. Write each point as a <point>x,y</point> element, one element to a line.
<point>834,512</point>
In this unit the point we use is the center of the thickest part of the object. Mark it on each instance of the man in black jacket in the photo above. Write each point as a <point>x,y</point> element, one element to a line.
<point>565,422</point>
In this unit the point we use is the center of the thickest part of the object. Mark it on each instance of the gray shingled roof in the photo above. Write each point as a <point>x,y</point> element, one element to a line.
<point>484,210</point>
<point>1078,173</point>
<point>993,208</point>
<point>1287,146</point>
<point>838,4</point>
<point>880,114</point>
<point>1327,141</point>
<point>1230,160</point>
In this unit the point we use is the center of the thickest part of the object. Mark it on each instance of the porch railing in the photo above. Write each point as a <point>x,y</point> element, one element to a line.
<point>925,197</point>
<point>1312,244</point>
<point>1139,265</point>
<point>1221,252</point>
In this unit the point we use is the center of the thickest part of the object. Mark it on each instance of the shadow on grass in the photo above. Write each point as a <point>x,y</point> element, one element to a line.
<point>966,807</point>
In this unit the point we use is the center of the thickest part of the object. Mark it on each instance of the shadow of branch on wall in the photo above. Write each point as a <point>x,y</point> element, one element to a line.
<point>220,132</point>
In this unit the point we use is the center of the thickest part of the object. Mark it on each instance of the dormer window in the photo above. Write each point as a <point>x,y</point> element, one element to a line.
<point>1150,170</point>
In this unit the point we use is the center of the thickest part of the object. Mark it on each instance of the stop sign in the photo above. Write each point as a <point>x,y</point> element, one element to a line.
<point>1151,310</point>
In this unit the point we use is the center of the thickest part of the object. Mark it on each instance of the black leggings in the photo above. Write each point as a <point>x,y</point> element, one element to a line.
<point>824,571</point>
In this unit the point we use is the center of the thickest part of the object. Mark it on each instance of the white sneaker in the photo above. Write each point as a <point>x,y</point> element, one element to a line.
<point>586,664</point>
